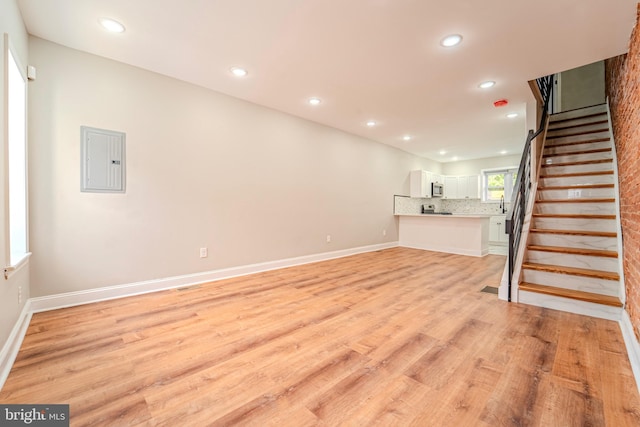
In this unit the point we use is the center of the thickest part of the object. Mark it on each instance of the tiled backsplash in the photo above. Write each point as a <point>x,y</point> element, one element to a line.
<point>407,205</point>
<point>472,206</point>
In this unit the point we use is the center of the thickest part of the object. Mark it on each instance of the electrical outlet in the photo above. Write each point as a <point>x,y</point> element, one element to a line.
<point>204,252</point>
<point>20,294</point>
<point>384,232</point>
<point>328,238</point>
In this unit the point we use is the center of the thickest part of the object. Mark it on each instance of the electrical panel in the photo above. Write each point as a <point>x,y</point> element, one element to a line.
<point>103,161</point>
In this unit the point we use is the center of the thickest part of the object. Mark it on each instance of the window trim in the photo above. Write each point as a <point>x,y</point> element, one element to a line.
<point>13,265</point>
<point>511,170</point>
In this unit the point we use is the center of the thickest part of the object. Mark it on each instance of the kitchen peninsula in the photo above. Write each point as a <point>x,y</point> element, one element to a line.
<point>463,234</point>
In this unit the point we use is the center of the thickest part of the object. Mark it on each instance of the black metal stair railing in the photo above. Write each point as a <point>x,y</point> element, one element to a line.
<point>522,187</point>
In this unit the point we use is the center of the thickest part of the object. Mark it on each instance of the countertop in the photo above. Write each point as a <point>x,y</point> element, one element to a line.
<point>454,215</point>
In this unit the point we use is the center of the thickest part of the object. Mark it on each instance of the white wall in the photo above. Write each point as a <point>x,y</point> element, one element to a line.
<point>473,167</point>
<point>582,86</point>
<point>531,121</point>
<point>203,169</point>
<point>10,23</point>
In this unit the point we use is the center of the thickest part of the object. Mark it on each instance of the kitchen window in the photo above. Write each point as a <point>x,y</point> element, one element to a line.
<point>498,183</point>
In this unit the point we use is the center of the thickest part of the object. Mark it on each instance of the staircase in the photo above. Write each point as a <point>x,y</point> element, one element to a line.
<point>572,261</point>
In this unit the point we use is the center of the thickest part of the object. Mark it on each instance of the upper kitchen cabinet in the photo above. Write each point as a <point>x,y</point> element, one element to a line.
<point>462,187</point>
<point>455,187</point>
<point>450,187</point>
<point>420,184</point>
<point>469,187</point>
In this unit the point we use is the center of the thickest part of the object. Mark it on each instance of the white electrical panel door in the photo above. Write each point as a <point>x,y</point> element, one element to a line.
<point>103,160</point>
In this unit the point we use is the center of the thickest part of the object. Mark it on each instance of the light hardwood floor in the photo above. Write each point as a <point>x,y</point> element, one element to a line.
<point>395,337</point>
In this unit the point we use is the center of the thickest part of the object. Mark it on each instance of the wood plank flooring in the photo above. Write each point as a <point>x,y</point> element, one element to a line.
<point>394,337</point>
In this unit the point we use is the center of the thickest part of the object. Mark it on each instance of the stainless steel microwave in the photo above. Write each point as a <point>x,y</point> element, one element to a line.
<point>437,189</point>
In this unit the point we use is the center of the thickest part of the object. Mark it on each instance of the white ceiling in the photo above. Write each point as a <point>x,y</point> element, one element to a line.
<point>366,59</point>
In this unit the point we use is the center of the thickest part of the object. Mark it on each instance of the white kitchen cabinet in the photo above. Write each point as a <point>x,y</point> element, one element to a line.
<point>462,187</point>
<point>497,229</point>
<point>469,187</point>
<point>420,184</point>
<point>450,187</point>
<point>436,178</point>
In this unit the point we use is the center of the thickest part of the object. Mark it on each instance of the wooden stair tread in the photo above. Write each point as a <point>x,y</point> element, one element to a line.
<point>575,174</point>
<point>588,141</point>
<point>574,271</point>
<point>577,201</point>
<point>574,251</point>
<point>586,132</point>
<point>574,216</point>
<point>575,187</point>
<point>553,118</point>
<point>576,153</point>
<point>574,232</point>
<point>572,294</point>
<point>595,122</point>
<point>558,132</point>
<point>583,162</point>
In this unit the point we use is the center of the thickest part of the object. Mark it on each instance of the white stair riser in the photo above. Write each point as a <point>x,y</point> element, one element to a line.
<point>570,305</point>
<point>573,241</point>
<point>577,180</point>
<point>592,167</point>
<point>575,224</point>
<point>577,147</point>
<point>571,260</point>
<point>576,208</point>
<point>602,108</point>
<point>550,142</point>
<point>553,125</point>
<point>580,194</point>
<point>556,153</point>
<point>581,129</point>
<point>554,160</point>
<point>568,281</point>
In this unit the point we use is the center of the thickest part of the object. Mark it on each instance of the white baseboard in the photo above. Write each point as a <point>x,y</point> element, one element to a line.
<point>69,299</point>
<point>12,345</point>
<point>633,347</point>
<point>449,250</point>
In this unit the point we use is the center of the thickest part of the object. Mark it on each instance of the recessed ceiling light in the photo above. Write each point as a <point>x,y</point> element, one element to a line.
<point>111,25</point>
<point>454,158</point>
<point>452,40</point>
<point>406,137</point>
<point>486,85</point>
<point>442,152</point>
<point>512,115</point>
<point>314,101</point>
<point>371,123</point>
<point>239,72</point>
<point>503,152</point>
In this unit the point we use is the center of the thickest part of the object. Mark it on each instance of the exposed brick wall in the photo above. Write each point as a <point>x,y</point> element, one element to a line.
<point>623,89</point>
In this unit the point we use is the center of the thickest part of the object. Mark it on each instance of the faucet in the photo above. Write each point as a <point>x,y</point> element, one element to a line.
<point>502,205</point>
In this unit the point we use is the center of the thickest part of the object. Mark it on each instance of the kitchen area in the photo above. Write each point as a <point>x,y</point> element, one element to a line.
<point>447,213</point>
